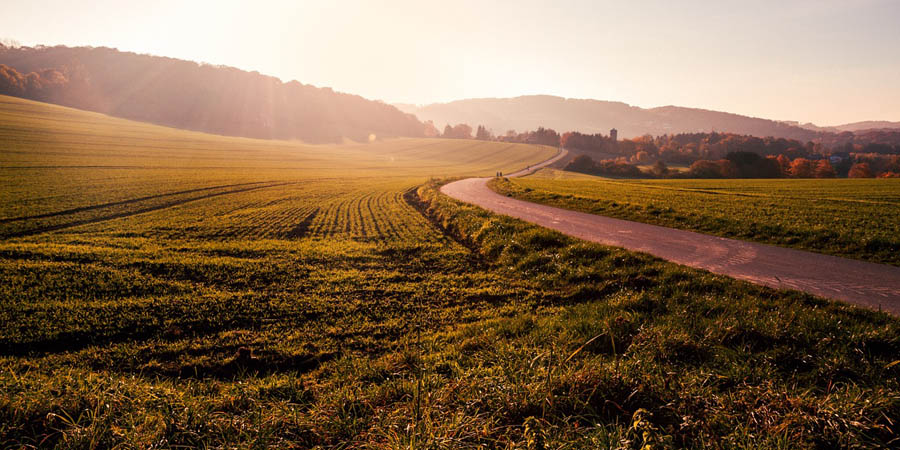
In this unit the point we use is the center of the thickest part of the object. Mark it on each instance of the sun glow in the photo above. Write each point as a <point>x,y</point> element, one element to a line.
<point>822,61</point>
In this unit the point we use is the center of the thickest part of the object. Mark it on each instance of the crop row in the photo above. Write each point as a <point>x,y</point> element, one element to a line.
<point>361,210</point>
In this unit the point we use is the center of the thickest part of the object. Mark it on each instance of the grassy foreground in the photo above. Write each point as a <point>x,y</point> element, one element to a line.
<point>363,309</point>
<point>853,218</point>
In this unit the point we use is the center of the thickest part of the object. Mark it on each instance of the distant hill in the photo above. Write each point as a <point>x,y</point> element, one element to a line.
<point>855,127</point>
<point>188,95</point>
<point>869,125</point>
<point>597,116</point>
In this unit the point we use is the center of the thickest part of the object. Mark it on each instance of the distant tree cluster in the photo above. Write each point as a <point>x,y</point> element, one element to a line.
<point>189,95</point>
<point>689,147</point>
<point>607,167</point>
<point>39,85</point>
<point>864,141</point>
<point>459,131</point>
<point>866,165</point>
<point>587,142</point>
<point>882,142</point>
<point>749,165</point>
<point>541,136</point>
<point>482,134</point>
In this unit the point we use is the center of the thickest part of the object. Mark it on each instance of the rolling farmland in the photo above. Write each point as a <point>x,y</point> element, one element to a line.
<point>854,218</point>
<point>62,168</point>
<point>164,288</point>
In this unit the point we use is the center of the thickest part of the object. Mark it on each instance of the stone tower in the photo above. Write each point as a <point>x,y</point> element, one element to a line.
<point>613,134</point>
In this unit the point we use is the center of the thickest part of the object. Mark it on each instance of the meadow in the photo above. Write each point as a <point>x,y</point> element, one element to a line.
<point>853,218</point>
<point>163,288</point>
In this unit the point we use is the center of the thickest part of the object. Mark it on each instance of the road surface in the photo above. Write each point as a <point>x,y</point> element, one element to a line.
<point>870,285</point>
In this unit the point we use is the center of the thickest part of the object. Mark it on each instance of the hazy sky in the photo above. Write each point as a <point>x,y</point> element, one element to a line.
<point>824,61</point>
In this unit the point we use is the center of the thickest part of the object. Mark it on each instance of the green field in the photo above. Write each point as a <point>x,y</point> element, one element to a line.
<point>163,288</point>
<point>854,218</point>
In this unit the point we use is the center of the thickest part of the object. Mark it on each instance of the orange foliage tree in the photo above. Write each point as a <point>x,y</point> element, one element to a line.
<point>860,170</point>
<point>824,169</point>
<point>802,168</point>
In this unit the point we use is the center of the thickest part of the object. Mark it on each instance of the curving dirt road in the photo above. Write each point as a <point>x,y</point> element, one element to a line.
<point>875,286</point>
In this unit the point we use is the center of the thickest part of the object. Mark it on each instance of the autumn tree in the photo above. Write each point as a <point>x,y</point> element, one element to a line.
<point>705,169</point>
<point>802,168</point>
<point>646,144</point>
<point>42,85</point>
<point>824,169</point>
<point>860,170</point>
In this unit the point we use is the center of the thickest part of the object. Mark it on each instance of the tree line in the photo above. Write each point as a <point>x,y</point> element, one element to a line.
<point>709,155</point>
<point>748,165</point>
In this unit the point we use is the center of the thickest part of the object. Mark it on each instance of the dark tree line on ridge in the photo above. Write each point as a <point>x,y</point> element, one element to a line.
<point>188,95</point>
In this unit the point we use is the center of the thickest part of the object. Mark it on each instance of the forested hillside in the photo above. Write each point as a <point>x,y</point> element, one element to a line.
<point>185,94</point>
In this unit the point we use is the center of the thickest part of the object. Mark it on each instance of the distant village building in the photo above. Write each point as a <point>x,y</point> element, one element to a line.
<point>613,134</point>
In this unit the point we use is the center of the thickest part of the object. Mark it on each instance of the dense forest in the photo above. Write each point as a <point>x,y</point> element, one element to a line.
<point>188,95</point>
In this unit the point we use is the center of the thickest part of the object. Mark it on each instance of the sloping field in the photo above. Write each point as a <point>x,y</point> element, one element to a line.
<point>168,289</point>
<point>854,218</point>
<point>61,167</point>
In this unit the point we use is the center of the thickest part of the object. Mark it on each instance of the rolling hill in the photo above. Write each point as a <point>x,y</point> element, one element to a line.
<point>596,116</point>
<point>201,97</point>
<point>61,166</point>
<point>855,127</point>
<point>869,125</point>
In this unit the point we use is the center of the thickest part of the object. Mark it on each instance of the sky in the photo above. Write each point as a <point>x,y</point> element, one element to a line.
<point>823,61</point>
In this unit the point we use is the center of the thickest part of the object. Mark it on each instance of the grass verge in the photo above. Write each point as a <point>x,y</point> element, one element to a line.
<point>857,219</point>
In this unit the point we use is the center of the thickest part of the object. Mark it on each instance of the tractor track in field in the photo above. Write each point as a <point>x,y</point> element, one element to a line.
<point>121,202</point>
<point>411,197</point>
<point>118,215</point>
<point>871,285</point>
